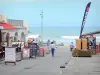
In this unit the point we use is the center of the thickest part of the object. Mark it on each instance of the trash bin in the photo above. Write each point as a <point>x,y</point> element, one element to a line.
<point>41,52</point>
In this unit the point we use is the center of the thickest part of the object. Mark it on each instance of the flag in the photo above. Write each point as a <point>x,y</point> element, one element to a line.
<point>84,17</point>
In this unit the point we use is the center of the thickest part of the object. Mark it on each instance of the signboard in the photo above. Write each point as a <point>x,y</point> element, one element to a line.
<point>10,54</point>
<point>33,50</point>
<point>26,52</point>
<point>91,43</point>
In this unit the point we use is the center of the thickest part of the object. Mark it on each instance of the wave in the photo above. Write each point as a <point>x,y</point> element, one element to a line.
<point>75,37</point>
<point>70,37</point>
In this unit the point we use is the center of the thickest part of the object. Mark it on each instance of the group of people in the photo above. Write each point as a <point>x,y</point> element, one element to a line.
<point>34,47</point>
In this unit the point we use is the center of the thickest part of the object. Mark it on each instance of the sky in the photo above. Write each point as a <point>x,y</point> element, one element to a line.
<point>56,13</point>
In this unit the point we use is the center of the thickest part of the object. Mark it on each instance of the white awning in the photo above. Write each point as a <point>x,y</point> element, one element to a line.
<point>70,37</point>
<point>33,36</point>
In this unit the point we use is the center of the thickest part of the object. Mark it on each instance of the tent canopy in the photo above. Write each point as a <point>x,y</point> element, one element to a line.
<point>33,36</point>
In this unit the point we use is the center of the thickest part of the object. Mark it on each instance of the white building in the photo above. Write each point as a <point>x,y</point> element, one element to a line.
<point>17,23</point>
<point>17,34</point>
<point>21,29</point>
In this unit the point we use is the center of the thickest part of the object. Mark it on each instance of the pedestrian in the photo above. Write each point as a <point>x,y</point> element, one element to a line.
<point>48,46</point>
<point>53,47</point>
<point>71,46</point>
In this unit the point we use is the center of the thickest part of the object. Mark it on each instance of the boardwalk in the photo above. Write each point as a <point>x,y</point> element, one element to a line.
<point>41,66</point>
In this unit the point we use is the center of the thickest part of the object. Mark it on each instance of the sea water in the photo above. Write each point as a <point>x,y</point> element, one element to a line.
<point>55,33</point>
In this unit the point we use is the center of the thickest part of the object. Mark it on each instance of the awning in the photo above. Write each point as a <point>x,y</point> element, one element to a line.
<point>6,26</point>
<point>33,36</point>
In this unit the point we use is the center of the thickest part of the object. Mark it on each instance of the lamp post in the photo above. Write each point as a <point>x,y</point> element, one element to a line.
<point>41,25</point>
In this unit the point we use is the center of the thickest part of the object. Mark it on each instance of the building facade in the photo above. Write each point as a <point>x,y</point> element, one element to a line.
<point>20,24</point>
<point>18,34</point>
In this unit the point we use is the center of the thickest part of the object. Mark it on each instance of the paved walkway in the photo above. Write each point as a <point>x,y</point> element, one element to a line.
<point>41,66</point>
<point>83,66</point>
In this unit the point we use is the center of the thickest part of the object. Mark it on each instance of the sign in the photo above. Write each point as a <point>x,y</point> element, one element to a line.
<point>33,50</point>
<point>91,43</point>
<point>26,52</point>
<point>10,54</point>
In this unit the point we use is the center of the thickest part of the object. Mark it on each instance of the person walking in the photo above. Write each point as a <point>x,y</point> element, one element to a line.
<point>53,47</point>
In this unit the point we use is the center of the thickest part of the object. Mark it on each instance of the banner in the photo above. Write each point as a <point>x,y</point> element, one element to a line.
<point>10,54</point>
<point>84,17</point>
<point>26,53</point>
<point>91,43</point>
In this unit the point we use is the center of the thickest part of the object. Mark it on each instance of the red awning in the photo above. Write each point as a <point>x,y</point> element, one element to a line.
<point>6,26</point>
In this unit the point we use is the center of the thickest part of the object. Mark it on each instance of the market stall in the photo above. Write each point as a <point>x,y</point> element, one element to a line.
<point>4,26</point>
<point>13,54</point>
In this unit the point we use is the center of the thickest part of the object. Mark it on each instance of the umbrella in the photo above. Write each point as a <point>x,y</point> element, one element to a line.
<point>6,26</point>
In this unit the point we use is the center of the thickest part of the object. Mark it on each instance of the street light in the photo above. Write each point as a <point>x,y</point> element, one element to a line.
<point>41,25</point>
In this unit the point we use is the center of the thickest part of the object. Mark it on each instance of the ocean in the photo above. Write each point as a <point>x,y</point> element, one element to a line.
<point>55,33</point>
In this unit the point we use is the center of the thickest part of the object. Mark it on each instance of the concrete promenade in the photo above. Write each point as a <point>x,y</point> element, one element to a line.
<point>83,66</point>
<point>41,66</point>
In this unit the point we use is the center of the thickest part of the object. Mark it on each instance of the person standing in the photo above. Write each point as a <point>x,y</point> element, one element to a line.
<point>53,47</point>
<point>35,48</point>
<point>71,46</point>
<point>48,46</point>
